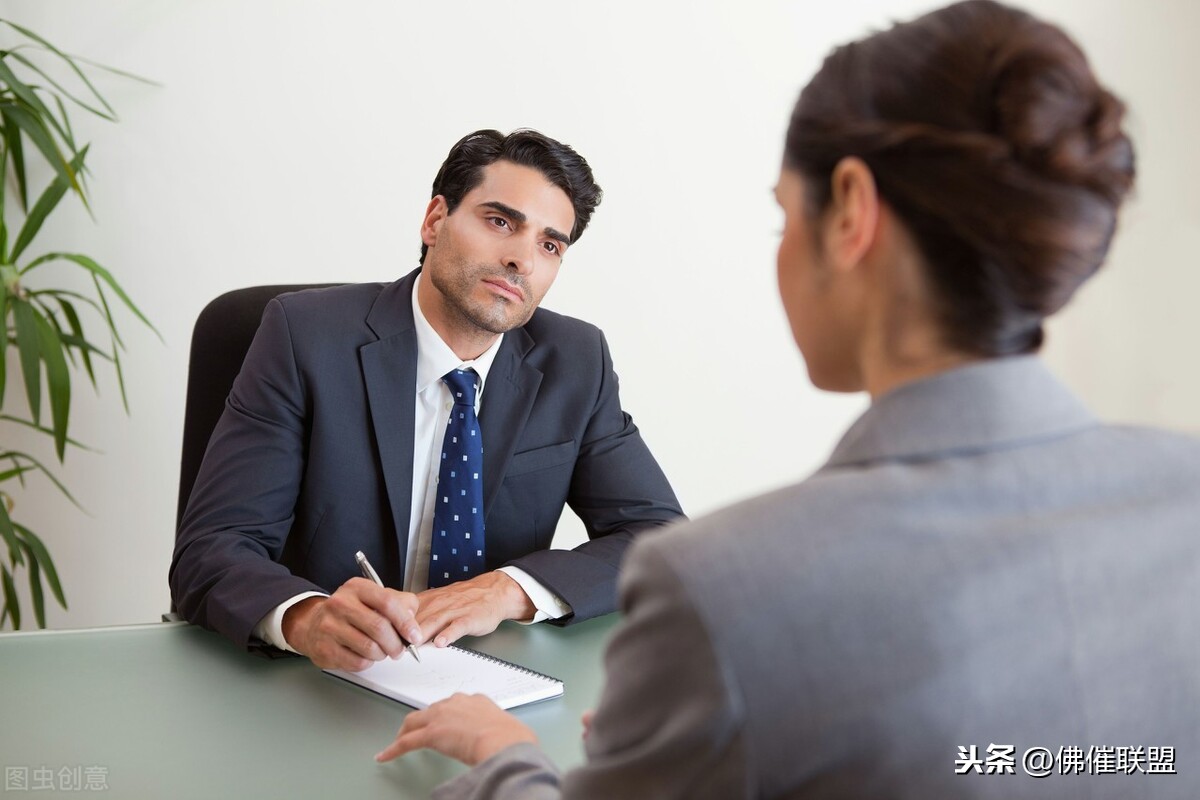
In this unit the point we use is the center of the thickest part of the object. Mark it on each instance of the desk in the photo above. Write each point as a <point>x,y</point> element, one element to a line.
<point>171,710</point>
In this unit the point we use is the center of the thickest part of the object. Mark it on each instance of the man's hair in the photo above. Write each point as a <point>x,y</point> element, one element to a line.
<point>462,170</point>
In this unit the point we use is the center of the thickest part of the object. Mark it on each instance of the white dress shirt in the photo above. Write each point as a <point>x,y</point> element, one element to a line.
<point>434,359</point>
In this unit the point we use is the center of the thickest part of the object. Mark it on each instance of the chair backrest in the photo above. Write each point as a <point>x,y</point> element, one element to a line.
<point>220,339</point>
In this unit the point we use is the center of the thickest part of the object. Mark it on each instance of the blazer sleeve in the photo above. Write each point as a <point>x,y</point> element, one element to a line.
<point>225,573</point>
<point>618,490</point>
<point>670,722</point>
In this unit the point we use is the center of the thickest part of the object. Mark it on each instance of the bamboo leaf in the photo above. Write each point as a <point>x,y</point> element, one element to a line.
<point>84,346</point>
<point>3,356</point>
<point>67,59</point>
<point>116,359</point>
<point>63,90</point>
<point>62,110</point>
<point>12,607</point>
<point>42,429</point>
<point>9,534</point>
<point>43,139</point>
<point>98,273</point>
<point>29,96</point>
<point>77,329</point>
<point>12,139</point>
<point>35,587</point>
<point>27,344</point>
<point>58,382</point>
<point>114,70</point>
<point>15,472</point>
<point>56,293</point>
<point>52,318</point>
<point>20,477</point>
<point>42,208</point>
<point>15,454</point>
<point>47,563</point>
<point>108,317</point>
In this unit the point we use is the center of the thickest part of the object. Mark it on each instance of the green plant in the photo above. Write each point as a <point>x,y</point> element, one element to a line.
<point>44,326</point>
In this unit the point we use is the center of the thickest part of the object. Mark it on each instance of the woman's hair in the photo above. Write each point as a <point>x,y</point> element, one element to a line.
<point>991,140</point>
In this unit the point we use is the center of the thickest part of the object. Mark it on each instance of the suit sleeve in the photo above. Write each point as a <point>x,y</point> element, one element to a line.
<point>224,573</point>
<point>618,490</point>
<point>669,723</point>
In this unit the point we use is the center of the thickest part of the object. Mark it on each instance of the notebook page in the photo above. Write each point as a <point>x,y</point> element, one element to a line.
<point>444,671</point>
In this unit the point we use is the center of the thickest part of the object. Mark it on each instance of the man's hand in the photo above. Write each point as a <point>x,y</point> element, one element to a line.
<point>469,728</point>
<point>471,608</point>
<point>358,624</point>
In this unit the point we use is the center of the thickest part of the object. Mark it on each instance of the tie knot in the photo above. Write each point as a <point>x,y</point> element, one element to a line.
<point>462,386</point>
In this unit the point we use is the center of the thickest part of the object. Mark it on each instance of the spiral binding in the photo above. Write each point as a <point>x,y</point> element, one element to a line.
<point>509,664</point>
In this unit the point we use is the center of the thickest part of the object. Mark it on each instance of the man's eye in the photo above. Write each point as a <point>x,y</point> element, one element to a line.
<point>552,248</point>
<point>499,222</point>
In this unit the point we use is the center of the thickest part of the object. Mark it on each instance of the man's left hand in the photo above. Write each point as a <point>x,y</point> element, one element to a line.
<point>471,608</point>
<point>469,728</point>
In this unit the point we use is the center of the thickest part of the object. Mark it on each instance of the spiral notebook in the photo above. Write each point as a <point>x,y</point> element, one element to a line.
<point>443,671</point>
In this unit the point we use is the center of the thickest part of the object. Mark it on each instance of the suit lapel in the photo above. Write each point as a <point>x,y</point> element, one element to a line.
<point>389,368</point>
<point>508,397</point>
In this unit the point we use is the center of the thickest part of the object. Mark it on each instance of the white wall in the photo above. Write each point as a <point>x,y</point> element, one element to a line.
<point>295,141</point>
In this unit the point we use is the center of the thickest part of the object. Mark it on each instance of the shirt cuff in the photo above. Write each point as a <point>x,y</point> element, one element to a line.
<point>270,627</point>
<point>548,604</point>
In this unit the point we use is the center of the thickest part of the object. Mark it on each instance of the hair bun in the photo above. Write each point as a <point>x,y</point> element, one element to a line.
<point>1059,122</point>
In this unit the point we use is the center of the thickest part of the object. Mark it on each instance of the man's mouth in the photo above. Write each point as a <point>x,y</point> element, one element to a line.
<point>506,289</point>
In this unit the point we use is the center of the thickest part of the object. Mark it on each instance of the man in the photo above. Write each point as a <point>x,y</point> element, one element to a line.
<point>336,438</point>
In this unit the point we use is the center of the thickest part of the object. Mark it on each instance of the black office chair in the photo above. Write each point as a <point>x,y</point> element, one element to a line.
<point>220,339</point>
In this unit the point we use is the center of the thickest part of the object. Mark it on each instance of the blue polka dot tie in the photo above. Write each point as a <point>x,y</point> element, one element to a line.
<point>457,550</point>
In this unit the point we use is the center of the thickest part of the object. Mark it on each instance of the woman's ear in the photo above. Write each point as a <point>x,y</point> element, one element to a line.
<point>851,224</point>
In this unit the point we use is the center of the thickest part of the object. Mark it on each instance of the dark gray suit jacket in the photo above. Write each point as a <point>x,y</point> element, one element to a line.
<point>312,460</point>
<point>980,562</point>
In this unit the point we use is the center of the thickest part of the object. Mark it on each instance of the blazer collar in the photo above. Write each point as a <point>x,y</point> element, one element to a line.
<point>982,406</point>
<point>391,313</point>
<point>513,384</point>
<point>389,369</point>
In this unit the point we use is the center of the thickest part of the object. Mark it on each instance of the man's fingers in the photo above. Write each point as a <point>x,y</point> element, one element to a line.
<point>332,655</point>
<point>351,623</point>
<point>452,632</point>
<point>396,609</point>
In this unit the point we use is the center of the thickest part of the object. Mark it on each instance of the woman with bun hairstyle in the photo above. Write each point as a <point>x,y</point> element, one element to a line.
<point>986,591</point>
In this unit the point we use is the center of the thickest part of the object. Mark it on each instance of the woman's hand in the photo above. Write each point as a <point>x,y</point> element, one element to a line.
<point>469,728</point>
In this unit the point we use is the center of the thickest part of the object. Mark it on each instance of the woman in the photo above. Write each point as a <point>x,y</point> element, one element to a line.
<point>982,569</point>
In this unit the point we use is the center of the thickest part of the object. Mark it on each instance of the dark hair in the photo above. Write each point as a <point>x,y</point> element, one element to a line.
<point>462,170</point>
<point>990,138</point>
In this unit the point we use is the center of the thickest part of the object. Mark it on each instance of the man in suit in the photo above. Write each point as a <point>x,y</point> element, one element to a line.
<point>334,431</point>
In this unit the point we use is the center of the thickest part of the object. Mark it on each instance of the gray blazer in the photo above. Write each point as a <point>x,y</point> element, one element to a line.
<point>980,563</point>
<point>313,457</point>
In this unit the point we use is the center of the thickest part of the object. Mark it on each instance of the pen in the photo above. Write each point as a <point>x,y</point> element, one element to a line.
<point>369,572</point>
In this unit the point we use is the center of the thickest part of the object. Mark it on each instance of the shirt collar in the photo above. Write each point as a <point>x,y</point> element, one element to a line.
<point>434,356</point>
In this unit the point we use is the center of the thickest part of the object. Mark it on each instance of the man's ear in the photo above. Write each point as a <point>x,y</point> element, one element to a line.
<point>435,213</point>
<point>852,220</point>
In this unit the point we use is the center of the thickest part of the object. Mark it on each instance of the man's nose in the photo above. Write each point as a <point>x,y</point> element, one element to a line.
<point>520,257</point>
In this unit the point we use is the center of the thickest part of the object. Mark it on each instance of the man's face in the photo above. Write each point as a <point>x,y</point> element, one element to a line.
<point>492,261</point>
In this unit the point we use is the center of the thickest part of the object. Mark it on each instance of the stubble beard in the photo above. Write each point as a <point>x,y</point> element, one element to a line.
<point>492,317</point>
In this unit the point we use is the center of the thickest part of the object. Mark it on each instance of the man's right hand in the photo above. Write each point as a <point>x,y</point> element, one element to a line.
<point>357,625</point>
